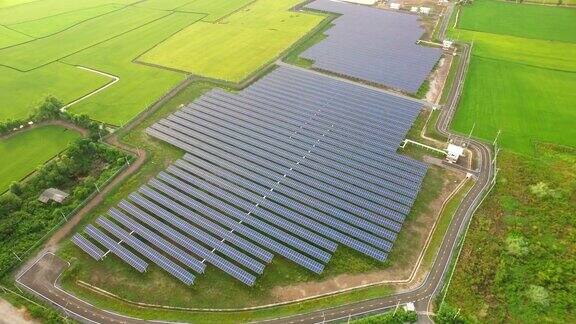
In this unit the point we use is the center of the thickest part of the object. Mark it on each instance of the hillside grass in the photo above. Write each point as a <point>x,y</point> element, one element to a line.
<point>240,44</point>
<point>527,21</point>
<point>519,258</point>
<point>22,153</point>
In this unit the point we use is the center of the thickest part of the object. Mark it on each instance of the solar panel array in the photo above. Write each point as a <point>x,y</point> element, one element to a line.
<point>294,165</point>
<point>374,45</point>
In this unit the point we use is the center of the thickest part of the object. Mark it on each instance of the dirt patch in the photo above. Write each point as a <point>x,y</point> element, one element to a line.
<point>13,315</point>
<point>417,229</point>
<point>438,79</point>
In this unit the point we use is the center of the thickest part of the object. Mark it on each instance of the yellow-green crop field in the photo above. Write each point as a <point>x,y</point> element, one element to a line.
<point>138,50</point>
<point>238,45</point>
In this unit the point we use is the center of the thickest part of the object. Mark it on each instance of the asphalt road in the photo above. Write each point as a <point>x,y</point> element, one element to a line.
<point>41,278</point>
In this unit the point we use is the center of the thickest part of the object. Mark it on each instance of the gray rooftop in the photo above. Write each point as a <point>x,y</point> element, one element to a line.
<point>53,194</point>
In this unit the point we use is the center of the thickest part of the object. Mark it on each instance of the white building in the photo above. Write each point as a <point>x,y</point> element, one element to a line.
<point>395,6</point>
<point>364,2</point>
<point>454,152</point>
<point>446,44</point>
<point>414,9</point>
<point>425,10</point>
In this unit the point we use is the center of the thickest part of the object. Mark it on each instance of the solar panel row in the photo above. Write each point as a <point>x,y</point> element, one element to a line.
<point>113,246</point>
<point>374,45</point>
<point>153,255</point>
<point>194,246</point>
<point>293,165</point>
<point>95,252</point>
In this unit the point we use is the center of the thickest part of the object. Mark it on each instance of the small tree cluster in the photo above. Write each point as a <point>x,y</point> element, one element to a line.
<point>51,109</point>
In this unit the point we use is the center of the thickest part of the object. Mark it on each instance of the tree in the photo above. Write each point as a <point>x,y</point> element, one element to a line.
<point>16,188</point>
<point>448,315</point>
<point>9,202</point>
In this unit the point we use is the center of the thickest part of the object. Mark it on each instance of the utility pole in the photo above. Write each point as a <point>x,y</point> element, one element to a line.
<point>16,255</point>
<point>97,189</point>
<point>63,216</point>
<point>495,139</point>
<point>126,158</point>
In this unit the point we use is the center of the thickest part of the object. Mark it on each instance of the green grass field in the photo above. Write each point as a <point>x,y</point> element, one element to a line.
<point>9,37</point>
<point>521,86</point>
<point>23,152</point>
<point>22,91</point>
<point>528,104</point>
<point>42,42</point>
<point>139,85</point>
<point>528,21</point>
<point>234,48</point>
<point>49,25</point>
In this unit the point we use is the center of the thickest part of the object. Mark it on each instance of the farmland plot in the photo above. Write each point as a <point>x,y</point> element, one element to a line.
<point>234,48</point>
<point>23,152</point>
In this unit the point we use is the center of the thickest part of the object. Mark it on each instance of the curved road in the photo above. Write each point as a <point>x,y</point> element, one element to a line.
<point>41,277</point>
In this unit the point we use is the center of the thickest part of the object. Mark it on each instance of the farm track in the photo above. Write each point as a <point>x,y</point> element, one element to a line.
<point>41,277</point>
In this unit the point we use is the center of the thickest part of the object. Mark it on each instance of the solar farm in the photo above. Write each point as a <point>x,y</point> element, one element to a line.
<point>291,166</point>
<point>377,46</point>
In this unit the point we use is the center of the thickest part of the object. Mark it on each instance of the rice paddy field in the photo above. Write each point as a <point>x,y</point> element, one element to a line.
<point>23,152</point>
<point>508,18</point>
<point>521,80</point>
<point>238,45</point>
<point>44,43</point>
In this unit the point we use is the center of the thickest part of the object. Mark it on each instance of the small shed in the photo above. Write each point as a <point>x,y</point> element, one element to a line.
<point>395,6</point>
<point>410,307</point>
<point>53,194</point>
<point>414,9</point>
<point>454,152</point>
<point>425,10</point>
<point>446,44</point>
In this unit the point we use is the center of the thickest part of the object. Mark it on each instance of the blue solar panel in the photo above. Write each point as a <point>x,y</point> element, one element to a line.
<point>95,252</point>
<point>210,226</point>
<point>236,226</point>
<point>116,248</point>
<point>153,255</point>
<point>316,225</point>
<point>157,241</point>
<point>256,199</point>
<point>229,200</point>
<point>190,244</point>
<point>375,45</point>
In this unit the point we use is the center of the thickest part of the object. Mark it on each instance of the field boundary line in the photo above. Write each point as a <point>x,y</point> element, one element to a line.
<point>60,31</point>
<point>109,84</point>
<point>87,47</point>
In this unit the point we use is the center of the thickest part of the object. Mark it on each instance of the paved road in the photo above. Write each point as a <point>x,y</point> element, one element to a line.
<point>41,277</point>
